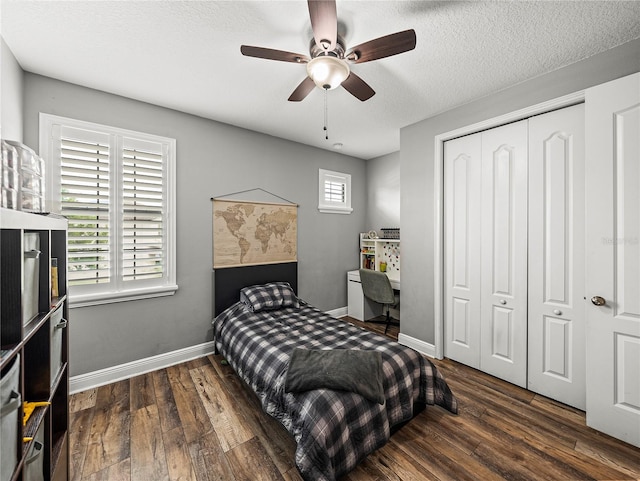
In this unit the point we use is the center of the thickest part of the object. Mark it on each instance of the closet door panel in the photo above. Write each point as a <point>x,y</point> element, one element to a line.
<point>627,215</point>
<point>502,203</point>
<point>612,176</point>
<point>502,342</point>
<point>462,252</point>
<point>556,324</point>
<point>504,253</point>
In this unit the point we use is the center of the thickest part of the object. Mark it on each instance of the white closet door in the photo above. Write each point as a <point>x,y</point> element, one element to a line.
<point>503,330</point>
<point>613,257</point>
<point>462,167</point>
<point>556,256</point>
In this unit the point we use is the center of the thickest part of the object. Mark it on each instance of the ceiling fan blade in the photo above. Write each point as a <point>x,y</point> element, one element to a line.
<point>358,87</point>
<point>302,90</point>
<point>271,54</point>
<point>324,22</point>
<point>384,46</point>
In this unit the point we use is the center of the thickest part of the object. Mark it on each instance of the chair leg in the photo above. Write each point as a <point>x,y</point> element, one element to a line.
<point>388,320</point>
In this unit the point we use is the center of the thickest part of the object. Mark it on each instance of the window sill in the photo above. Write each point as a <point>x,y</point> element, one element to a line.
<point>335,210</point>
<point>86,300</point>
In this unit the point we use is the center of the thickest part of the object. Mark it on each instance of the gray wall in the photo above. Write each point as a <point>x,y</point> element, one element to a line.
<point>383,192</point>
<point>213,159</point>
<point>417,168</point>
<point>11,95</point>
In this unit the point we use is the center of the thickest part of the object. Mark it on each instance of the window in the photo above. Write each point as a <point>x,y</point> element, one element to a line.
<point>334,192</point>
<point>116,189</point>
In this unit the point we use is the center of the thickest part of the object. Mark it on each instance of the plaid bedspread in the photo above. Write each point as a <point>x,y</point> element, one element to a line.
<point>334,430</point>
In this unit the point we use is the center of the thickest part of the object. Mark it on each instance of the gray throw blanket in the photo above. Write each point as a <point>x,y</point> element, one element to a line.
<point>338,369</point>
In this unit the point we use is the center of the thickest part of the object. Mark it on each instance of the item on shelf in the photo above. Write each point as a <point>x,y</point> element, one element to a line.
<point>29,407</point>
<point>9,198</point>
<point>34,462</point>
<point>28,179</point>
<point>383,266</point>
<point>57,325</point>
<point>10,402</point>
<point>373,234</point>
<point>390,232</point>
<point>10,157</point>
<point>9,176</point>
<point>31,266</point>
<point>54,277</point>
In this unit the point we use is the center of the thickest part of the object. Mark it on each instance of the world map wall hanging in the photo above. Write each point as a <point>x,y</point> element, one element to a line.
<point>253,233</point>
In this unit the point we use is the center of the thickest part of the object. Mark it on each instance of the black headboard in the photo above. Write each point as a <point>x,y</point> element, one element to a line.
<point>228,282</point>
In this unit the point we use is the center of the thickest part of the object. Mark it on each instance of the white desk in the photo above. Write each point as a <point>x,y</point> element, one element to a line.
<point>359,307</point>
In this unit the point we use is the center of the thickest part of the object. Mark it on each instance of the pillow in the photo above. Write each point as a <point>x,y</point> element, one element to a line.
<point>266,297</point>
<point>289,298</point>
<point>261,297</point>
<point>338,369</point>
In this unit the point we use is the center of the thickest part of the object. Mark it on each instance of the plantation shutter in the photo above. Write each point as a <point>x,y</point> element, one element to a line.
<point>116,187</point>
<point>85,172</point>
<point>143,244</point>
<point>334,191</point>
<point>98,172</point>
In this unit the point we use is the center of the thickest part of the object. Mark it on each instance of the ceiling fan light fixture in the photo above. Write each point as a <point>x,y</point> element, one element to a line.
<point>328,72</point>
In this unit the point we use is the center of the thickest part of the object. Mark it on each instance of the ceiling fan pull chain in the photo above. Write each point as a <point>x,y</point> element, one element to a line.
<point>326,116</point>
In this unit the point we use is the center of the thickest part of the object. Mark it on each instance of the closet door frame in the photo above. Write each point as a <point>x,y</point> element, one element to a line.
<point>438,193</point>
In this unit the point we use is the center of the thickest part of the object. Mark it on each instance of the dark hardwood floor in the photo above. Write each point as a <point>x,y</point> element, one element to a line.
<point>198,421</point>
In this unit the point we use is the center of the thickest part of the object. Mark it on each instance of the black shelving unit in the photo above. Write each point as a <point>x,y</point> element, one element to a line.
<point>39,344</point>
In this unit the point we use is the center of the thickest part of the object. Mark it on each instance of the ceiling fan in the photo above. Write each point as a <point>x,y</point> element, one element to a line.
<point>328,61</point>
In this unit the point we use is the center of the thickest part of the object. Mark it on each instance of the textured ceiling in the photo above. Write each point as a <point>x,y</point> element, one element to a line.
<point>185,55</point>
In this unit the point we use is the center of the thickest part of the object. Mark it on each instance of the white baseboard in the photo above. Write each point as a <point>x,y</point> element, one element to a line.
<point>108,375</point>
<point>339,312</point>
<point>420,346</point>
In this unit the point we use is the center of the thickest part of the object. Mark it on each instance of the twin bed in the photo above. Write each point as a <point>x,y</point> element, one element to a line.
<point>338,389</point>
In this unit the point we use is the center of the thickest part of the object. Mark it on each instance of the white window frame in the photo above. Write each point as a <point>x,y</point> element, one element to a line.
<point>327,206</point>
<point>117,290</point>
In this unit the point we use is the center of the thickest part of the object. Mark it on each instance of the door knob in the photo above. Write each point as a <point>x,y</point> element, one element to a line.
<point>503,302</point>
<point>557,312</point>
<point>598,301</point>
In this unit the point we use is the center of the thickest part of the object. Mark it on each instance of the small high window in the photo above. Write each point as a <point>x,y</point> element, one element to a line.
<point>334,192</point>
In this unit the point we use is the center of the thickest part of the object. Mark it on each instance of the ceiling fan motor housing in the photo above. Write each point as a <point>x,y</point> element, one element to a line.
<point>316,51</point>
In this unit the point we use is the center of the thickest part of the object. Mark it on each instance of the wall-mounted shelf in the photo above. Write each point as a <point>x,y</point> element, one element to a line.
<point>373,252</point>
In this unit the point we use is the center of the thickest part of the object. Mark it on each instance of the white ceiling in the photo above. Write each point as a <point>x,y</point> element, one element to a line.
<point>185,55</point>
